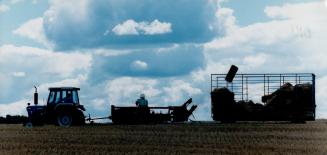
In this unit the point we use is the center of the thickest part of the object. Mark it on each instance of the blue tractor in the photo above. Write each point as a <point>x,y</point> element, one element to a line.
<point>63,108</point>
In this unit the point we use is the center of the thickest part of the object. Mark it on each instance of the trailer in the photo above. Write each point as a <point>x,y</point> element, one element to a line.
<point>149,115</point>
<point>263,97</point>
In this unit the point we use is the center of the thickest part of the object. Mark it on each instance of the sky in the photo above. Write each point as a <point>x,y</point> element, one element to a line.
<point>114,50</point>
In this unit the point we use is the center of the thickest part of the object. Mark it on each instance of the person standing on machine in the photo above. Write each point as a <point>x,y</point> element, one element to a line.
<point>142,102</point>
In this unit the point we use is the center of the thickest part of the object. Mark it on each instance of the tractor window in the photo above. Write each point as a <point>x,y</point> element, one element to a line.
<point>57,97</point>
<point>67,96</point>
<point>51,97</point>
<point>75,97</point>
<point>63,95</point>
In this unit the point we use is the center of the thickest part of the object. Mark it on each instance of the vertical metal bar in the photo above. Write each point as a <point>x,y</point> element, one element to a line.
<point>280,80</point>
<point>264,84</point>
<point>247,89</point>
<point>268,84</point>
<point>211,83</point>
<point>242,87</point>
<point>314,92</point>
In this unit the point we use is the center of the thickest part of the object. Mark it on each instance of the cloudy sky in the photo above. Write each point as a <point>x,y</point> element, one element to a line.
<point>116,49</point>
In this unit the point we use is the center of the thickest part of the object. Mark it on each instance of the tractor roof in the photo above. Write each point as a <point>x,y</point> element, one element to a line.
<point>64,88</point>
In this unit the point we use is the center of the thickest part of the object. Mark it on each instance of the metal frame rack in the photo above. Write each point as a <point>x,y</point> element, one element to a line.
<point>268,82</point>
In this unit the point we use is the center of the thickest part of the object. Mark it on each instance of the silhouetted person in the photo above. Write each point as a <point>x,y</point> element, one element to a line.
<point>142,102</point>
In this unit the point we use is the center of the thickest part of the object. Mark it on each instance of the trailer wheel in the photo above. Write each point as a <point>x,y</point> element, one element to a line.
<point>64,119</point>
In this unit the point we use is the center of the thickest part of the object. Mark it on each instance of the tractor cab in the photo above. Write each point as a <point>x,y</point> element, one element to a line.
<point>62,95</point>
<point>62,108</point>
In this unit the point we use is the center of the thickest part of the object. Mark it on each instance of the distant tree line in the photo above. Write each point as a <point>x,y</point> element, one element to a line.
<point>16,119</point>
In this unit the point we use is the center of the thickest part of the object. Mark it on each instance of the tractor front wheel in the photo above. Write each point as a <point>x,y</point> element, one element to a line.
<point>28,125</point>
<point>64,119</point>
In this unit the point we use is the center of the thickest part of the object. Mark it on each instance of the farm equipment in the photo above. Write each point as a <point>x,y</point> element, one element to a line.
<point>62,108</point>
<point>148,115</point>
<point>284,97</point>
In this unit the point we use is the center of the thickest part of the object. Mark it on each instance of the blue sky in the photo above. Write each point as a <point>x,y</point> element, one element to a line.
<point>116,49</point>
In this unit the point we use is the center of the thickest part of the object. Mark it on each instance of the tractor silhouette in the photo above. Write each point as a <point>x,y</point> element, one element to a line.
<point>62,108</point>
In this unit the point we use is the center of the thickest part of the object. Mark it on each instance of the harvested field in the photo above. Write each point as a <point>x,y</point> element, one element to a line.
<point>195,138</point>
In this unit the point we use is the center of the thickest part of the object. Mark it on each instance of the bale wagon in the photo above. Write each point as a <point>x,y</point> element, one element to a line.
<point>263,97</point>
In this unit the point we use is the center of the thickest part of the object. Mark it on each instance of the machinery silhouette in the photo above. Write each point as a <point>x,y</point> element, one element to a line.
<point>62,108</point>
<point>284,97</point>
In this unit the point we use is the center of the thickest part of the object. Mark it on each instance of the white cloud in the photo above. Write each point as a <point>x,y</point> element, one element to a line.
<point>74,9</point>
<point>255,60</point>
<point>256,34</point>
<point>99,104</point>
<point>131,27</point>
<point>155,27</point>
<point>321,98</point>
<point>294,37</point>
<point>111,52</point>
<point>125,90</point>
<point>178,89</point>
<point>202,75</point>
<point>71,82</point>
<point>4,8</point>
<point>30,59</point>
<point>139,65</point>
<point>19,74</point>
<point>226,19</point>
<point>33,29</point>
<point>15,108</point>
<point>299,11</point>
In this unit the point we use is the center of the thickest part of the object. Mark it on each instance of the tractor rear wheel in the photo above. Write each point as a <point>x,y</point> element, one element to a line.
<point>64,119</point>
<point>79,118</point>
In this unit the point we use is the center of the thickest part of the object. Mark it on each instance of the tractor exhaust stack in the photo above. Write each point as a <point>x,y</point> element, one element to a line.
<point>36,99</point>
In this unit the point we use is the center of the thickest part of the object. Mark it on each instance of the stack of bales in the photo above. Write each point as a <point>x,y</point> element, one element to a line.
<point>281,97</point>
<point>286,101</point>
<point>222,103</point>
<point>289,96</point>
<point>250,106</point>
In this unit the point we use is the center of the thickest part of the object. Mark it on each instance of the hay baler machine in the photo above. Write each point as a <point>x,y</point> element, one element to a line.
<point>150,115</point>
<point>263,97</point>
